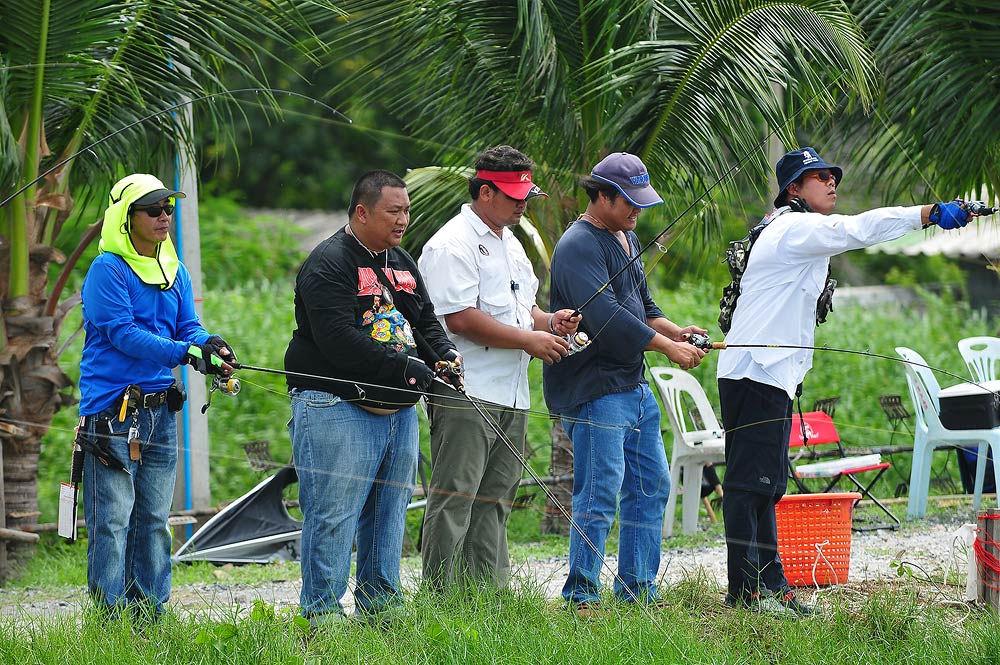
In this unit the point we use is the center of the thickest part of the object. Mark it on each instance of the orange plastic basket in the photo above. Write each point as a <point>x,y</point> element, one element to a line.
<point>814,537</point>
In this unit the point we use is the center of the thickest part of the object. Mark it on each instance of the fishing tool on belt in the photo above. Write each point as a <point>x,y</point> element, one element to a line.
<point>69,493</point>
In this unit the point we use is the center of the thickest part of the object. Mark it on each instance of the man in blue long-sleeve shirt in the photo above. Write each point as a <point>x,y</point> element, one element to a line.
<point>605,403</point>
<point>139,316</point>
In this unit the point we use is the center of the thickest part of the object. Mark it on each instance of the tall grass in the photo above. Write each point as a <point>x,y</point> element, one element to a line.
<point>523,627</point>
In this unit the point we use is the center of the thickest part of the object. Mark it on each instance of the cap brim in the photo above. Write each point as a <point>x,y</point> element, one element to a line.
<point>643,197</point>
<point>156,196</point>
<point>520,190</point>
<point>640,197</point>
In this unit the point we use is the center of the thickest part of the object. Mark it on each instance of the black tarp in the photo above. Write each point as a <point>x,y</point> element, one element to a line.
<point>255,528</point>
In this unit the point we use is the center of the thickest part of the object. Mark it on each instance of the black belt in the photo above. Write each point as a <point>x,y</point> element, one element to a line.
<point>153,400</point>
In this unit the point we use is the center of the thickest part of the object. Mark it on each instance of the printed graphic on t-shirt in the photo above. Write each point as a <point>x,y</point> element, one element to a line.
<point>369,284</point>
<point>387,325</point>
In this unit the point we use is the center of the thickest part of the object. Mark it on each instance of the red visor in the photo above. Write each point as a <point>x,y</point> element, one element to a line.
<point>515,184</point>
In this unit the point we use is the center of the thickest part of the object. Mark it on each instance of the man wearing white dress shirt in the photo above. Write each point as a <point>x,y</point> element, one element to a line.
<point>483,289</point>
<point>786,273</point>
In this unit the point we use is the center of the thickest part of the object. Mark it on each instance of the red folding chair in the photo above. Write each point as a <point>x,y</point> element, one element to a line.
<point>819,430</point>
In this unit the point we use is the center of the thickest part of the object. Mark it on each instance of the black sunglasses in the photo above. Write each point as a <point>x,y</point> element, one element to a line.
<point>154,211</point>
<point>823,176</point>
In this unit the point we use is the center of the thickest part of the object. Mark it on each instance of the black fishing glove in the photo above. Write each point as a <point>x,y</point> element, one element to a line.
<point>203,358</point>
<point>417,375</point>
<point>217,344</point>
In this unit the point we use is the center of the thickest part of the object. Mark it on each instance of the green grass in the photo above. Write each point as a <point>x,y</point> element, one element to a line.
<point>524,627</point>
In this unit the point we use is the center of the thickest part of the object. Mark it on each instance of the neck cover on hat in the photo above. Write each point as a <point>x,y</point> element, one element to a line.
<point>159,270</point>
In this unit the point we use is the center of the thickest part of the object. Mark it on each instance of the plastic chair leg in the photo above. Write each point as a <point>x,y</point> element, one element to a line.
<point>977,496</point>
<point>671,511</point>
<point>919,481</point>
<point>691,498</point>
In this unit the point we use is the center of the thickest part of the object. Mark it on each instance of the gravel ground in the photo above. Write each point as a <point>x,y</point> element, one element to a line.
<point>929,545</point>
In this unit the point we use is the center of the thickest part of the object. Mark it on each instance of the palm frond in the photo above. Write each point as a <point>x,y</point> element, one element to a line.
<point>936,127</point>
<point>688,84</point>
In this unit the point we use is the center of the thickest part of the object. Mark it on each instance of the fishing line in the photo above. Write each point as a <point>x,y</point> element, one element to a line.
<point>169,109</point>
<point>362,395</point>
<point>722,346</point>
<point>732,169</point>
<point>459,387</point>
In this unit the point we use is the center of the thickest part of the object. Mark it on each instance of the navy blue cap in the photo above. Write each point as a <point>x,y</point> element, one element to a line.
<point>629,176</point>
<point>795,163</point>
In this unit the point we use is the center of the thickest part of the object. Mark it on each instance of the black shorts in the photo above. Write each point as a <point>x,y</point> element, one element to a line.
<point>758,420</point>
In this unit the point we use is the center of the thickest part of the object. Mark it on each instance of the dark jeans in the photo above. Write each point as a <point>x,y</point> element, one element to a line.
<point>757,420</point>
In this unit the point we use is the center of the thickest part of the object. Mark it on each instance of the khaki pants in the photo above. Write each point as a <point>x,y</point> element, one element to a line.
<point>474,478</point>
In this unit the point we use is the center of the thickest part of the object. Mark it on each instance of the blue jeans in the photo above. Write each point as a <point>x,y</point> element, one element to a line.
<point>356,475</point>
<point>617,449</point>
<point>128,541</point>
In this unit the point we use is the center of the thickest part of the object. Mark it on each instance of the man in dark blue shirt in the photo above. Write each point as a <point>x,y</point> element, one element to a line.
<point>607,408</point>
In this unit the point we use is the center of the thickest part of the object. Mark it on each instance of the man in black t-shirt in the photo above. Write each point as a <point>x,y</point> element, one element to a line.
<point>360,308</point>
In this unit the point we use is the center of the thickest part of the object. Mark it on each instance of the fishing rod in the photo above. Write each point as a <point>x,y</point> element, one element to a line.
<point>169,109</point>
<point>703,342</point>
<point>450,373</point>
<point>732,169</point>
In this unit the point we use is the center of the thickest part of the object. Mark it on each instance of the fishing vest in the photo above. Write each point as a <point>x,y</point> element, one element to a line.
<point>738,254</point>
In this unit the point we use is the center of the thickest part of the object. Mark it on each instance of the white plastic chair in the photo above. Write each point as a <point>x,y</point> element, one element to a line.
<point>929,434</point>
<point>982,357</point>
<point>692,449</point>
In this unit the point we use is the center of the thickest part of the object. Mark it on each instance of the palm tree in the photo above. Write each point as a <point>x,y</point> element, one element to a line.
<point>692,86</point>
<point>73,73</point>
<point>689,85</point>
<point>936,124</point>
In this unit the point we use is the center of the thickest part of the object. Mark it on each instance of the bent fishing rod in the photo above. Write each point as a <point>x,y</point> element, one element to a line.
<point>732,169</point>
<point>155,114</point>
<point>449,374</point>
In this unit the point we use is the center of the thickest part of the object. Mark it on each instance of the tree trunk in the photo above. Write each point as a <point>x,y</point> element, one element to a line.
<point>562,465</point>
<point>30,393</point>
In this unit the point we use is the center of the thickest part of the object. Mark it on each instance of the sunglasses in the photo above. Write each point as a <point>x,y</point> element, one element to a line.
<point>154,211</point>
<point>823,176</point>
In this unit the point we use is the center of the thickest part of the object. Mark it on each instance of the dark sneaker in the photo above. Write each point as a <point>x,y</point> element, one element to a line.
<point>658,604</point>
<point>762,603</point>
<point>770,604</point>
<point>789,600</point>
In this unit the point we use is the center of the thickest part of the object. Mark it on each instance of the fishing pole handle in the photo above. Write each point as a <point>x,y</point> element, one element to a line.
<point>702,341</point>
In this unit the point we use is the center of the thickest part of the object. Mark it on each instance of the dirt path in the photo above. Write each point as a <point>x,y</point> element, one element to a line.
<point>927,547</point>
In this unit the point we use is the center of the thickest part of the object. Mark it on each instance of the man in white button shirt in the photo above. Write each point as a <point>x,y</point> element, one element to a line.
<point>785,274</point>
<point>483,289</point>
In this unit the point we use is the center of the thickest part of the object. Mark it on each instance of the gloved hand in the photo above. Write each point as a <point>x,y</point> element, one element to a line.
<point>417,375</point>
<point>203,358</point>
<point>451,370</point>
<point>949,215</point>
<point>217,344</point>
